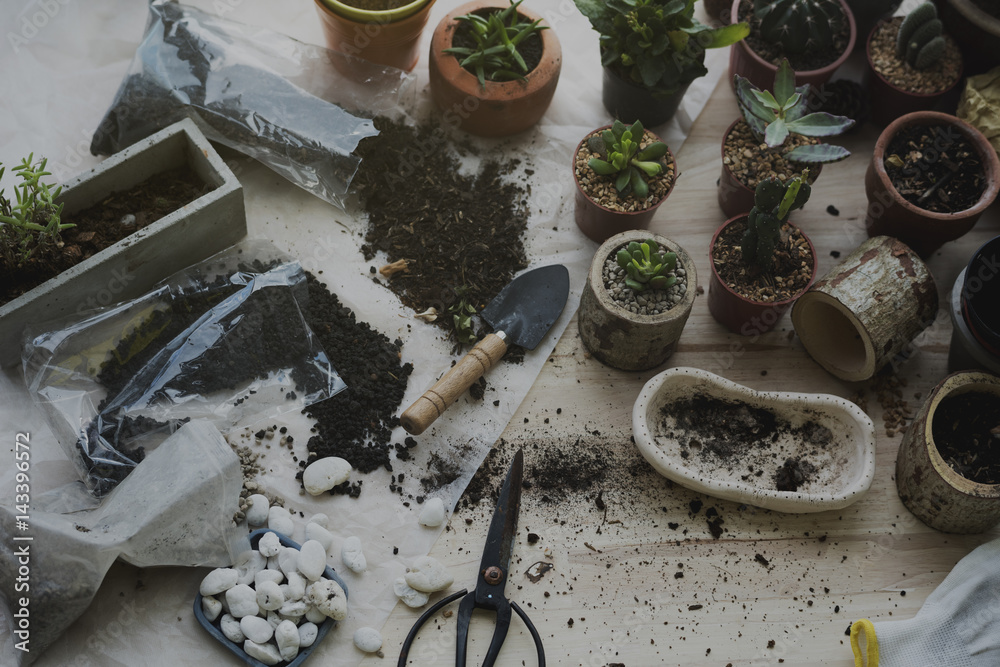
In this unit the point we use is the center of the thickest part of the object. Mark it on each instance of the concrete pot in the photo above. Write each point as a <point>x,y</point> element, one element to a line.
<point>390,37</point>
<point>626,340</point>
<point>927,485</point>
<point>135,264</point>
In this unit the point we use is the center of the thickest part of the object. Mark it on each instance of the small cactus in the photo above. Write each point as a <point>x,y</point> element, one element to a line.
<point>773,203</point>
<point>799,26</point>
<point>919,40</point>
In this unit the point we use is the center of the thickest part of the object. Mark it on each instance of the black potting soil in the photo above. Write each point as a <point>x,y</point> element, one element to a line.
<point>530,49</point>
<point>792,474</point>
<point>966,430</point>
<point>935,168</point>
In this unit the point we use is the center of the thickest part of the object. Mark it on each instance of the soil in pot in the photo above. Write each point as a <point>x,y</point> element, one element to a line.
<point>649,302</point>
<point>937,78</point>
<point>751,161</point>
<point>103,225</point>
<point>791,275</point>
<point>601,188</point>
<point>935,168</point>
<point>530,49</point>
<point>377,5</point>
<point>800,62</point>
<point>966,432</point>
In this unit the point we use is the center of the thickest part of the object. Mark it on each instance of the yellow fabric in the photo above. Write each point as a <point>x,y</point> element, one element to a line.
<point>864,626</point>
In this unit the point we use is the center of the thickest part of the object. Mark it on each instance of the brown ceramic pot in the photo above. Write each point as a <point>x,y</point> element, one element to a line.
<point>980,33</point>
<point>734,311</point>
<point>599,223</point>
<point>746,63</point>
<point>501,108</point>
<point>927,485</point>
<point>888,101</point>
<point>924,231</point>
<point>378,38</point>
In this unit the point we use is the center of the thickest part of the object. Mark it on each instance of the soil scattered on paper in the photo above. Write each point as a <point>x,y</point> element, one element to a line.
<point>966,430</point>
<point>934,167</point>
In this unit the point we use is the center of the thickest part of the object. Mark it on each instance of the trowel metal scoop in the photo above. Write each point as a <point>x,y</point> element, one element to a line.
<point>522,313</point>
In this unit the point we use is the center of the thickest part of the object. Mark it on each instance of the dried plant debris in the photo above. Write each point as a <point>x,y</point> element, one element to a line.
<point>966,430</point>
<point>936,168</point>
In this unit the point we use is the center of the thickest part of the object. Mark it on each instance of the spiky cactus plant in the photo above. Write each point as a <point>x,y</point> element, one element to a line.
<point>919,39</point>
<point>799,26</point>
<point>773,202</point>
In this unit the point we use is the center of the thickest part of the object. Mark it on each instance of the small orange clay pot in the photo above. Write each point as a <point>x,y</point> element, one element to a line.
<point>380,40</point>
<point>501,108</point>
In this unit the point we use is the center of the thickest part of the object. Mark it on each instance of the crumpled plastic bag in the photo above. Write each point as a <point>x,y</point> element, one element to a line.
<point>176,509</point>
<point>980,105</point>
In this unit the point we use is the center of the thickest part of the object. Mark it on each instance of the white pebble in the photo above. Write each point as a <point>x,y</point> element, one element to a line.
<point>247,565</point>
<point>256,629</point>
<point>324,474</point>
<point>266,653</point>
<point>257,507</point>
<point>367,639</point>
<point>269,545</point>
<point>409,596</point>
<point>320,519</point>
<point>293,608</point>
<point>328,597</point>
<point>312,560</point>
<point>352,556</point>
<point>269,597</point>
<point>307,633</point>
<point>314,531</point>
<point>280,519</point>
<point>274,619</point>
<point>273,564</point>
<point>286,636</point>
<point>428,575</point>
<point>288,560</point>
<point>231,629</point>
<point>432,515</point>
<point>277,576</point>
<point>242,601</point>
<point>210,607</point>
<point>218,580</point>
<point>296,587</point>
<point>314,615</point>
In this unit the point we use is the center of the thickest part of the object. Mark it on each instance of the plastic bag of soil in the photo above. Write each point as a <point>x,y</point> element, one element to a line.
<point>256,91</point>
<point>224,340</point>
<point>176,509</point>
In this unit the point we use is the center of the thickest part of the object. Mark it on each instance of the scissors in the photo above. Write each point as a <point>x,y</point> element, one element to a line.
<point>493,575</point>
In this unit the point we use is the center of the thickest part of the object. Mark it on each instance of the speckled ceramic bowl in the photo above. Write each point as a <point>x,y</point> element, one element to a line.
<point>842,468</point>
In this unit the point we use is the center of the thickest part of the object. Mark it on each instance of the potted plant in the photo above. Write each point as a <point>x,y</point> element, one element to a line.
<point>912,64</point>
<point>651,51</point>
<point>946,469</point>
<point>622,174</point>
<point>975,318</point>
<point>493,67</point>
<point>637,298</point>
<point>775,138</point>
<point>816,36</point>
<point>386,32</point>
<point>760,263</point>
<point>101,274</point>
<point>930,178</point>
<point>978,23</point>
<point>867,13</point>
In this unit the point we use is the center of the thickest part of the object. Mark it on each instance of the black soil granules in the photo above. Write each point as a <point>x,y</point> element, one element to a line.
<point>966,430</point>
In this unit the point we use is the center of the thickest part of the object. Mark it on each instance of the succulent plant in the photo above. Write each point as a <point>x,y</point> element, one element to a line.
<point>657,44</point>
<point>461,313</point>
<point>497,37</point>
<point>646,267</point>
<point>774,117</point>
<point>799,26</point>
<point>621,155</point>
<point>919,40</point>
<point>34,222</point>
<point>773,202</point>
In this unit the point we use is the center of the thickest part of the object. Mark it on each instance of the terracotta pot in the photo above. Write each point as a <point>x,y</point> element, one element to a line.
<point>924,231</point>
<point>600,223</point>
<point>746,63</point>
<point>501,108</point>
<point>622,339</point>
<point>927,485</point>
<point>629,102</point>
<point>387,38</point>
<point>734,311</point>
<point>980,33</point>
<point>888,102</point>
<point>736,198</point>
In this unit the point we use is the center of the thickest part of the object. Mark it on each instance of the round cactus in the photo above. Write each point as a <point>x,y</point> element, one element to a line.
<point>799,25</point>
<point>919,40</point>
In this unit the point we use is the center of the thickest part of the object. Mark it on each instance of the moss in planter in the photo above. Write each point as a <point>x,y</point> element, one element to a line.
<point>937,78</point>
<point>935,168</point>
<point>793,265</point>
<point>801,62</point>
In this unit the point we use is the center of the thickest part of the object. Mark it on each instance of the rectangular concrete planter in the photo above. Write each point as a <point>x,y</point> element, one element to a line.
<point>132,266</point>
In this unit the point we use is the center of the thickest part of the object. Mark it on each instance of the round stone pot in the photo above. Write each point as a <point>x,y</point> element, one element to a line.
<point>390,37</point>
<point>975,337</point>
<point>927,485</point>
<point>623,339</point>
<point>629,102</point>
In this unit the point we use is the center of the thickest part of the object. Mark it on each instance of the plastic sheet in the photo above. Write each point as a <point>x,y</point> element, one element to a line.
<point>224,340</point>
<point>249,89</point>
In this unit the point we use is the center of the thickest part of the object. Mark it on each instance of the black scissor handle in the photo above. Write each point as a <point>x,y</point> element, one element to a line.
<point>404,653</point>
<point>502,609</point>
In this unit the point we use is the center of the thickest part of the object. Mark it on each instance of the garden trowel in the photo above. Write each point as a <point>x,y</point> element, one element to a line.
<point>521,314</point>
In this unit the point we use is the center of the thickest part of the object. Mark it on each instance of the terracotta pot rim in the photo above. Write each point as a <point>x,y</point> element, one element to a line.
<point>734,293</point>
<point>576,180</point>
<point>358,15</point>
<point>920,96</point>
<point>991,164</point>
<point>851,39</point>
<point>467,83</point>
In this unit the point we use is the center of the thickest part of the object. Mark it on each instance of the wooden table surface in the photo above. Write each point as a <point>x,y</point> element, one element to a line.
<point>637,578</point>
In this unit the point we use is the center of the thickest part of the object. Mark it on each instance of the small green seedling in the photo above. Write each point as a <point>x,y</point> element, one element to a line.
<point>34,222</point>
<point>621,156</point>
<point>646,267</point>
<point>461,314</point>
<point>773,203</point>
<point>919,40</point>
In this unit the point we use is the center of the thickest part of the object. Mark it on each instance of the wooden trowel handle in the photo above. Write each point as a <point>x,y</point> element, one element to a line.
<point>455,382</point>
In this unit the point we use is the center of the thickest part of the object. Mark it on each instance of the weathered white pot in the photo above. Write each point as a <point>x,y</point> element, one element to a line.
<point>844,470</point>
<point>132,266</point>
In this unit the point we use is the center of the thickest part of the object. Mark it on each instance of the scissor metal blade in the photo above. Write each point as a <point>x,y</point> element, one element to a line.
<point>503,528</point>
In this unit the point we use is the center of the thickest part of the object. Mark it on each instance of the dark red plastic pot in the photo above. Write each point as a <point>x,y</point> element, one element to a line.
<point>629,102</point>
<point>737,313</point>
<point>746,63</point>
<point>600,223</point>
<point>888,102</point>
<point>924,231</point>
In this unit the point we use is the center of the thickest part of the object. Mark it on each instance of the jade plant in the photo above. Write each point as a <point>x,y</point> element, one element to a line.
<point>645,267</point>
<point>34,223</point>
<point>799,26</point>
<point>620,154</point>
<point>495,56</point>
<point>776,115</point>
<point>919,41</point>
<point>657,44</point>
<point>773,203</point>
